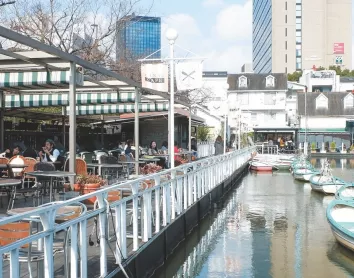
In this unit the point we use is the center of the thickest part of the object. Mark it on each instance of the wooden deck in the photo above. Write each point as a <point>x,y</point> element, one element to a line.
<point>93,252</point>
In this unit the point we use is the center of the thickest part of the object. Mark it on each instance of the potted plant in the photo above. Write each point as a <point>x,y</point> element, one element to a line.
<point>333,147</point>
<point>88,183</point>
<point>313,147</point>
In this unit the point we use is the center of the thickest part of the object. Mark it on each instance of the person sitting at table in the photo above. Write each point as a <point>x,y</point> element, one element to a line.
<point>16,151</point>
<point>49,153</point>
<point>164,147</point>
<point>153,148</point>
<point>129,153</point>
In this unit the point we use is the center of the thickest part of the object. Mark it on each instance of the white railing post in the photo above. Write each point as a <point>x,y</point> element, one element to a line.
<point>102,219</point>
<point>135,189</point>
<point>185,188</point>
<point>157,203</point>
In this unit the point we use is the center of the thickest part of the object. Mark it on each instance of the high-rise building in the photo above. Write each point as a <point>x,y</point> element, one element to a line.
<point>138,37</point>
<point>247,68</point>
<point>291,35</point>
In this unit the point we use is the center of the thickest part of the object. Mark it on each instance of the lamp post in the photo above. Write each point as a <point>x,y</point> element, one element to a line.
<point>225,87</point>
<point>172,35</point>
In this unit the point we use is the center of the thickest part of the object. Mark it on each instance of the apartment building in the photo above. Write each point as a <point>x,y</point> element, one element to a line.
<point>291,35</point>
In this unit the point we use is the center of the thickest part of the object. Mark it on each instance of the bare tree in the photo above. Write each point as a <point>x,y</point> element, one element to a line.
<point>200,96</point>
<point>82,27</point>
<point>4,3</point>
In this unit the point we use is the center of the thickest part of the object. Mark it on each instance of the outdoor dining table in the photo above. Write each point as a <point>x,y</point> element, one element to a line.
<point>51,175</point>
<point>100,166</point>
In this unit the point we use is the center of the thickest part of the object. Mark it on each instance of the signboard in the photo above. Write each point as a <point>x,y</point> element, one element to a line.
<point>189,75</point>
<point>339,60</point>
<point>155,77</point>
<point>338,48</point>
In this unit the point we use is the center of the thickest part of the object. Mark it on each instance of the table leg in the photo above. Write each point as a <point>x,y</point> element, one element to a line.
<point>50,189</point>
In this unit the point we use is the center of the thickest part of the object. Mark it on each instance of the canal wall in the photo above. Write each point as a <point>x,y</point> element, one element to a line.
<point>162,245</point>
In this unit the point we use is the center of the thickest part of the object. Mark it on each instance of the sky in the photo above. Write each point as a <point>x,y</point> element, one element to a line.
<point>220,30</point>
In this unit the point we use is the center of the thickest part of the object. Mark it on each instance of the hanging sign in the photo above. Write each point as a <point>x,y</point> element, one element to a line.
<point>155,77</point>
<point>189,75</point>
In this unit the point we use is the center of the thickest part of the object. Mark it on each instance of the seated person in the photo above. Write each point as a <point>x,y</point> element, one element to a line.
<point>164,147</point>
<point>48,153</point>
<point>153,148</point>
<point>16,151</point>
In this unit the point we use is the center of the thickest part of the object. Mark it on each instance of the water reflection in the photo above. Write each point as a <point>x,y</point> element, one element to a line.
<point>272,226</point>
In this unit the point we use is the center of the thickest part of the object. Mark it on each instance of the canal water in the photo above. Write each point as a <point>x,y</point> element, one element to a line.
<point>270,226</point>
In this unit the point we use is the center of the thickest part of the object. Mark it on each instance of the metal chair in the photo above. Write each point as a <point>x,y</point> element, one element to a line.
<point>13,232</point>
<point>81,167</point>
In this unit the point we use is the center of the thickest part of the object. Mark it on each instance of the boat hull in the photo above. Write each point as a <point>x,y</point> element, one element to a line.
<point>325,185</point>
<point>261,168</point>
<point>340,216</point>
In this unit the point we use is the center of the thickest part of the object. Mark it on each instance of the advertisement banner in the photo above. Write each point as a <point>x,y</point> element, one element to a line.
<point>155,77</point>
<point>189,75</point>
<point>338,48</point>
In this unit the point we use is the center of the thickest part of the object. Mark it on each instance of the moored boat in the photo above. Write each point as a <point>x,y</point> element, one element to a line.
<point>260,166</point>
<point>340,216</point>
<point>346,192</point>
<point>304,174</point>
<point>326,184</point>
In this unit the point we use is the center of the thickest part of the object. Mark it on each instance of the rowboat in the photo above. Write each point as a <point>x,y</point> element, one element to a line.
<point>260,166</point>
<point>340,216</point>
<point>304,174</point>
<point>326,184</point>
<point>346,192</point>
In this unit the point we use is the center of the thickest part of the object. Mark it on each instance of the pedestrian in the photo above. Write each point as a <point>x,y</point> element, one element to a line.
<point>219,146</point>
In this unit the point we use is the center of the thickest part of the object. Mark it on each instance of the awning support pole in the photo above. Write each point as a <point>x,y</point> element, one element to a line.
<point>63,109</point>
<point>136,129</point>
<point>190,129</point>
<point>2,127</point>
<point>102,131</point>
<point>72,121</point>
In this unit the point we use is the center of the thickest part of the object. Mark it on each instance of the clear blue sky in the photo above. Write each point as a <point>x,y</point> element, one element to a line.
<point>218,29</point>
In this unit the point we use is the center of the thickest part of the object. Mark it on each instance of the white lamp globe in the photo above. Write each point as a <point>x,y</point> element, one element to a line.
<point>171,34</point>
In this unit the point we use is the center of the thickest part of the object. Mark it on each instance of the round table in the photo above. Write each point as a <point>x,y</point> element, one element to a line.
<point>51,175</point>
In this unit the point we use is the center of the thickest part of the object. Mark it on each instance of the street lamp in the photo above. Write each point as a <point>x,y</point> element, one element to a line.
<point>172,35</point>
<point>225,87</point>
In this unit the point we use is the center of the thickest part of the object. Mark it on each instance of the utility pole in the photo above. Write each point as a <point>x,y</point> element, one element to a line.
<point>2,3</point>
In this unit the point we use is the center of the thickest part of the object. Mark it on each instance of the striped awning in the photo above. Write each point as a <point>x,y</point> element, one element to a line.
<point>37,79</point>
<point>61,99</point>
<point>118,108</point>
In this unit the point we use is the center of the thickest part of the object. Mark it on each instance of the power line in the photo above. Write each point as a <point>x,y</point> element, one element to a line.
<point>2,3</point>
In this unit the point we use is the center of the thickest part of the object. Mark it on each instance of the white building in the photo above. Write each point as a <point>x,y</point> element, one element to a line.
<point>211,120</point>
<point>291,102</point>
<point>325,117</point>
<point>261,101</point>
<point>326,81</point>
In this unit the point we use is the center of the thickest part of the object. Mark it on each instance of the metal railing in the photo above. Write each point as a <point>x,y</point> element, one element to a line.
<point>205,149</point>
<point>173,192</point>
<point>265,149</point>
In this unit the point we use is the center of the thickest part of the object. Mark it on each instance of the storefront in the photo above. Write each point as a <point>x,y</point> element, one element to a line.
<point>318,136</point>
<point>262,135</point>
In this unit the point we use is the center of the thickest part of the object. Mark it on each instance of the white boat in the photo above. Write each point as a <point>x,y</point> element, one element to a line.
<point>304,174</point>
<point>340,216</point>
<point>325,182</point>
<point>260,166</point>
<point>346,192</point>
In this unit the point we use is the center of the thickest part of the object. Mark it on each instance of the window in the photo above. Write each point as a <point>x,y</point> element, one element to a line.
<point>298,7</point>
<point>270,81</point>
<point>242,82</point>
<point>270,98</point>
<point>321,102</point>
<point>349,101</point>
<point>298,33</point>
<point>298,13</point>
<point>286,32</point>
<point>243,98</point>
<point>286,45</point>
<point>286,70</point>
<point>286,58</point>
<point>298,26</point>
<point>286,5</point>
<point>273,116</point>
<point>254,117</point>
<point>286,18</point>
<point>298,39</point>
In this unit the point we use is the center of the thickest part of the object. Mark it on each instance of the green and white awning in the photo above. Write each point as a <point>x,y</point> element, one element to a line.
<point>37,79</point>
<point>61,99</point>
<point>118,108</point>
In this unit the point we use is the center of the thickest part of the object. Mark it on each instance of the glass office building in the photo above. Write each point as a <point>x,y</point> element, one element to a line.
<point>138,37</point>
<point>262,36</point>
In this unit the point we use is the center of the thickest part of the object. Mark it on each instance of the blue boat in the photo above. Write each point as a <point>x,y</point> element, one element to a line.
<point>340,216</point>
